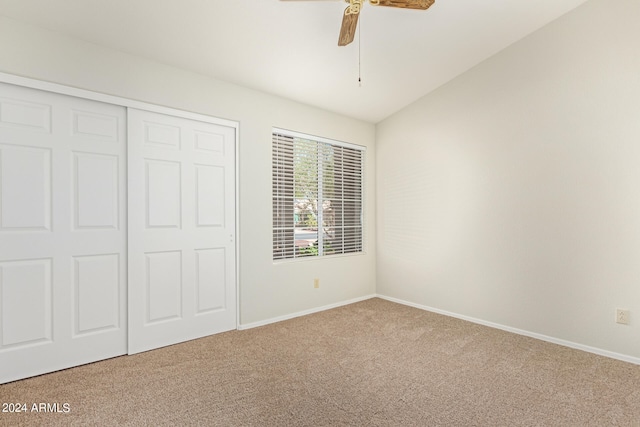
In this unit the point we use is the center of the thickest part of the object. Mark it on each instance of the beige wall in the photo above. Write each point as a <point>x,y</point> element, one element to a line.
<point>511,195</point>
<point>267,291</point>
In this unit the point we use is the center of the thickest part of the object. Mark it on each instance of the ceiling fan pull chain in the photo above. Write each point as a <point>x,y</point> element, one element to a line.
<point>359,60</point>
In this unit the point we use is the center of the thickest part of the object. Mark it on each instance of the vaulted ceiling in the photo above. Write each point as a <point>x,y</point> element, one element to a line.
<point>289,48</point>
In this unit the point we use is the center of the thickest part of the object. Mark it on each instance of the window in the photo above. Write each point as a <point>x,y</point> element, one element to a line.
<point>317,196</point>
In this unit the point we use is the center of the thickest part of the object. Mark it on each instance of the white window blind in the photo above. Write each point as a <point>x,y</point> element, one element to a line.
<point>317,196</point>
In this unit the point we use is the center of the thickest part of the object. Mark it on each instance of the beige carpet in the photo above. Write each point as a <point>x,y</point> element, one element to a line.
<point>373,363</point>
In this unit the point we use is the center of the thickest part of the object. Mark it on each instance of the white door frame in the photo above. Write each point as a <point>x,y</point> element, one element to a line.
<point>129,103</point>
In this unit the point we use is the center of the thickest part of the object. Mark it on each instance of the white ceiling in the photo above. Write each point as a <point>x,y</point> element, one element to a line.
<point>289,48</point>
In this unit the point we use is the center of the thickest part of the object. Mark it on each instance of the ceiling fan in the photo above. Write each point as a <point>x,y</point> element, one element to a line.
<point>351,13</point>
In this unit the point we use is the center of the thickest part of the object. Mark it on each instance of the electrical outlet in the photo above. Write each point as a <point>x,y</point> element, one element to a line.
<point>316,283</point>
<point>622,316</point>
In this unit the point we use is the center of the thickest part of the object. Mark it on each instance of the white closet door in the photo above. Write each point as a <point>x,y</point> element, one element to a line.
<point>182,282</point>
<point>62,232</point>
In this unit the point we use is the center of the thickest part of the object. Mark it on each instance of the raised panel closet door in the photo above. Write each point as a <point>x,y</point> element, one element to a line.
<point>62,232</point>
<point>182,280</point>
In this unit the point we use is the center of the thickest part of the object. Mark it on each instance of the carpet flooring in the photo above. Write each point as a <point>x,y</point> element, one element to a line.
<point>373,363</point>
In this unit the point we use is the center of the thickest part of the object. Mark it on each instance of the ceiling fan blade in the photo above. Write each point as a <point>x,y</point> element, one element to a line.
<point>407,4</point>
<point>348,29</point>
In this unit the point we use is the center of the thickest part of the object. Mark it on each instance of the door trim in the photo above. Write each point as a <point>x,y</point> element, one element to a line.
<point>130,103</point>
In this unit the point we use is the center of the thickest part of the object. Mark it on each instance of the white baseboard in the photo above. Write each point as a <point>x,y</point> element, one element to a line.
<point>303,313</point>
<point>594,350</point>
